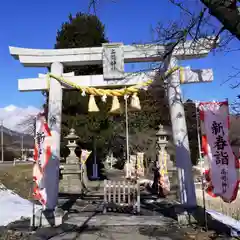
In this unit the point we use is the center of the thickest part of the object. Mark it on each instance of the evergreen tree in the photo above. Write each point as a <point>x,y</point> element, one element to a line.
<point>83,30</point>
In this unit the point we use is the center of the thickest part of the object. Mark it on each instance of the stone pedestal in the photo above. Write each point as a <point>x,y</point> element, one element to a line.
<point>47,218</point>
<point>174,188</point>
<point>71,179</point>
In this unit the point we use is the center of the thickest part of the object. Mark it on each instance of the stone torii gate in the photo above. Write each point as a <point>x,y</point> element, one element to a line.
<point>113,56</point>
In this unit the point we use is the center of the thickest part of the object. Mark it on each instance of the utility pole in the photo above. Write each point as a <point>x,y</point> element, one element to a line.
<point>22,147</point>
<point>2,153</point>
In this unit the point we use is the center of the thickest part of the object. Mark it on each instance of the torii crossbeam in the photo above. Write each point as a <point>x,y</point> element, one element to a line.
<point>94,55</point>
<point>42,82</point>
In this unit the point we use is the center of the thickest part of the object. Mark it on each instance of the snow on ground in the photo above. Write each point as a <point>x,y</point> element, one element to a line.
<point>13,207</point>
<point>217,203</point>
<point>232,223</point>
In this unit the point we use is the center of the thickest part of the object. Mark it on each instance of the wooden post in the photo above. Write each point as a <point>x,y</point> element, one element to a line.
<point>109,186</point>
<point>105,197</point>
<point>129,192</point>
<point>138,197</point>
<point>119,192</point>
<point>114,192</point>
<point>124,192</point>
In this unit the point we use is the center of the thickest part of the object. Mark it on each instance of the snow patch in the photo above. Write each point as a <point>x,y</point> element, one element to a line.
<point>232,223</point>
<point>13,207</point>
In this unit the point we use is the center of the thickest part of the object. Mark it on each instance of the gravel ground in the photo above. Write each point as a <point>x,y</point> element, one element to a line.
<point>66,232</point>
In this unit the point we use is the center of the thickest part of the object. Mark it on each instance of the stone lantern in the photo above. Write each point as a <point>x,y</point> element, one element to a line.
<point>72,138</point>
<point>163,148</point>
<point>71,170</point>
<point>163,137</point>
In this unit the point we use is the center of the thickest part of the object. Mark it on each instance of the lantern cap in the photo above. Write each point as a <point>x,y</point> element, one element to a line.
<point>72,135</point>
<point>164,131</point>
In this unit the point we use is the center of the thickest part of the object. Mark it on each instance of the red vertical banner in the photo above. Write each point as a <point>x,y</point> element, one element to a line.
<point>222,175</point>
<point>42,155</point>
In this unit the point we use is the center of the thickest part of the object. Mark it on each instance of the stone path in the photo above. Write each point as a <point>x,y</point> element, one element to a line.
<point>71,232</point>
<point>84,223</point>
<point>124,233</point>
<point>111,233</point>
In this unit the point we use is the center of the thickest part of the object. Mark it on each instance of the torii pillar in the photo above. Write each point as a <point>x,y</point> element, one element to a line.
<point>180,137</point>
<point>54,123</point>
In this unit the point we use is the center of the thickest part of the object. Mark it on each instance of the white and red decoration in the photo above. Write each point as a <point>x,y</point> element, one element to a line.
<point>45,169</point>
<point>140,165</point>
<point>222,175</point>
<point>84,155</point>
<point>164,182</point>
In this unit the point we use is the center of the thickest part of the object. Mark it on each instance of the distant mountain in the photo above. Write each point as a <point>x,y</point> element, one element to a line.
<point>16,118</point>
<point>17,126</point>
<point>12,140</point>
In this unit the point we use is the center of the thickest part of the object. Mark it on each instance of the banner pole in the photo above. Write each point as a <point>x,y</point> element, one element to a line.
<point>201,167</point>
<point>33,209</point>
<point>33,182</point>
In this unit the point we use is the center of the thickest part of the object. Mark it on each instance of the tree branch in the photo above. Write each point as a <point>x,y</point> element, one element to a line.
<point>227,13</point>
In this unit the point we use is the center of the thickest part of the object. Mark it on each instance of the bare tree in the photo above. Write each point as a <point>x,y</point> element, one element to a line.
<point>28,125</point>
<point>227,12</point>
<point>198,21</point>
<point>193,25</point>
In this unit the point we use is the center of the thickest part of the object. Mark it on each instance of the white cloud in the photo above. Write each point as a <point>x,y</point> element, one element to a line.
<point>12,116</point>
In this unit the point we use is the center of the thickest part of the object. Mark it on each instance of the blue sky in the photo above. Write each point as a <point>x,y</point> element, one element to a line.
<point>33,24</point>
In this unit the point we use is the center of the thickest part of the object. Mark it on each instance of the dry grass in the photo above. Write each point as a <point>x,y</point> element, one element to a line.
<point>18,178</point>
<point>217,204</point>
